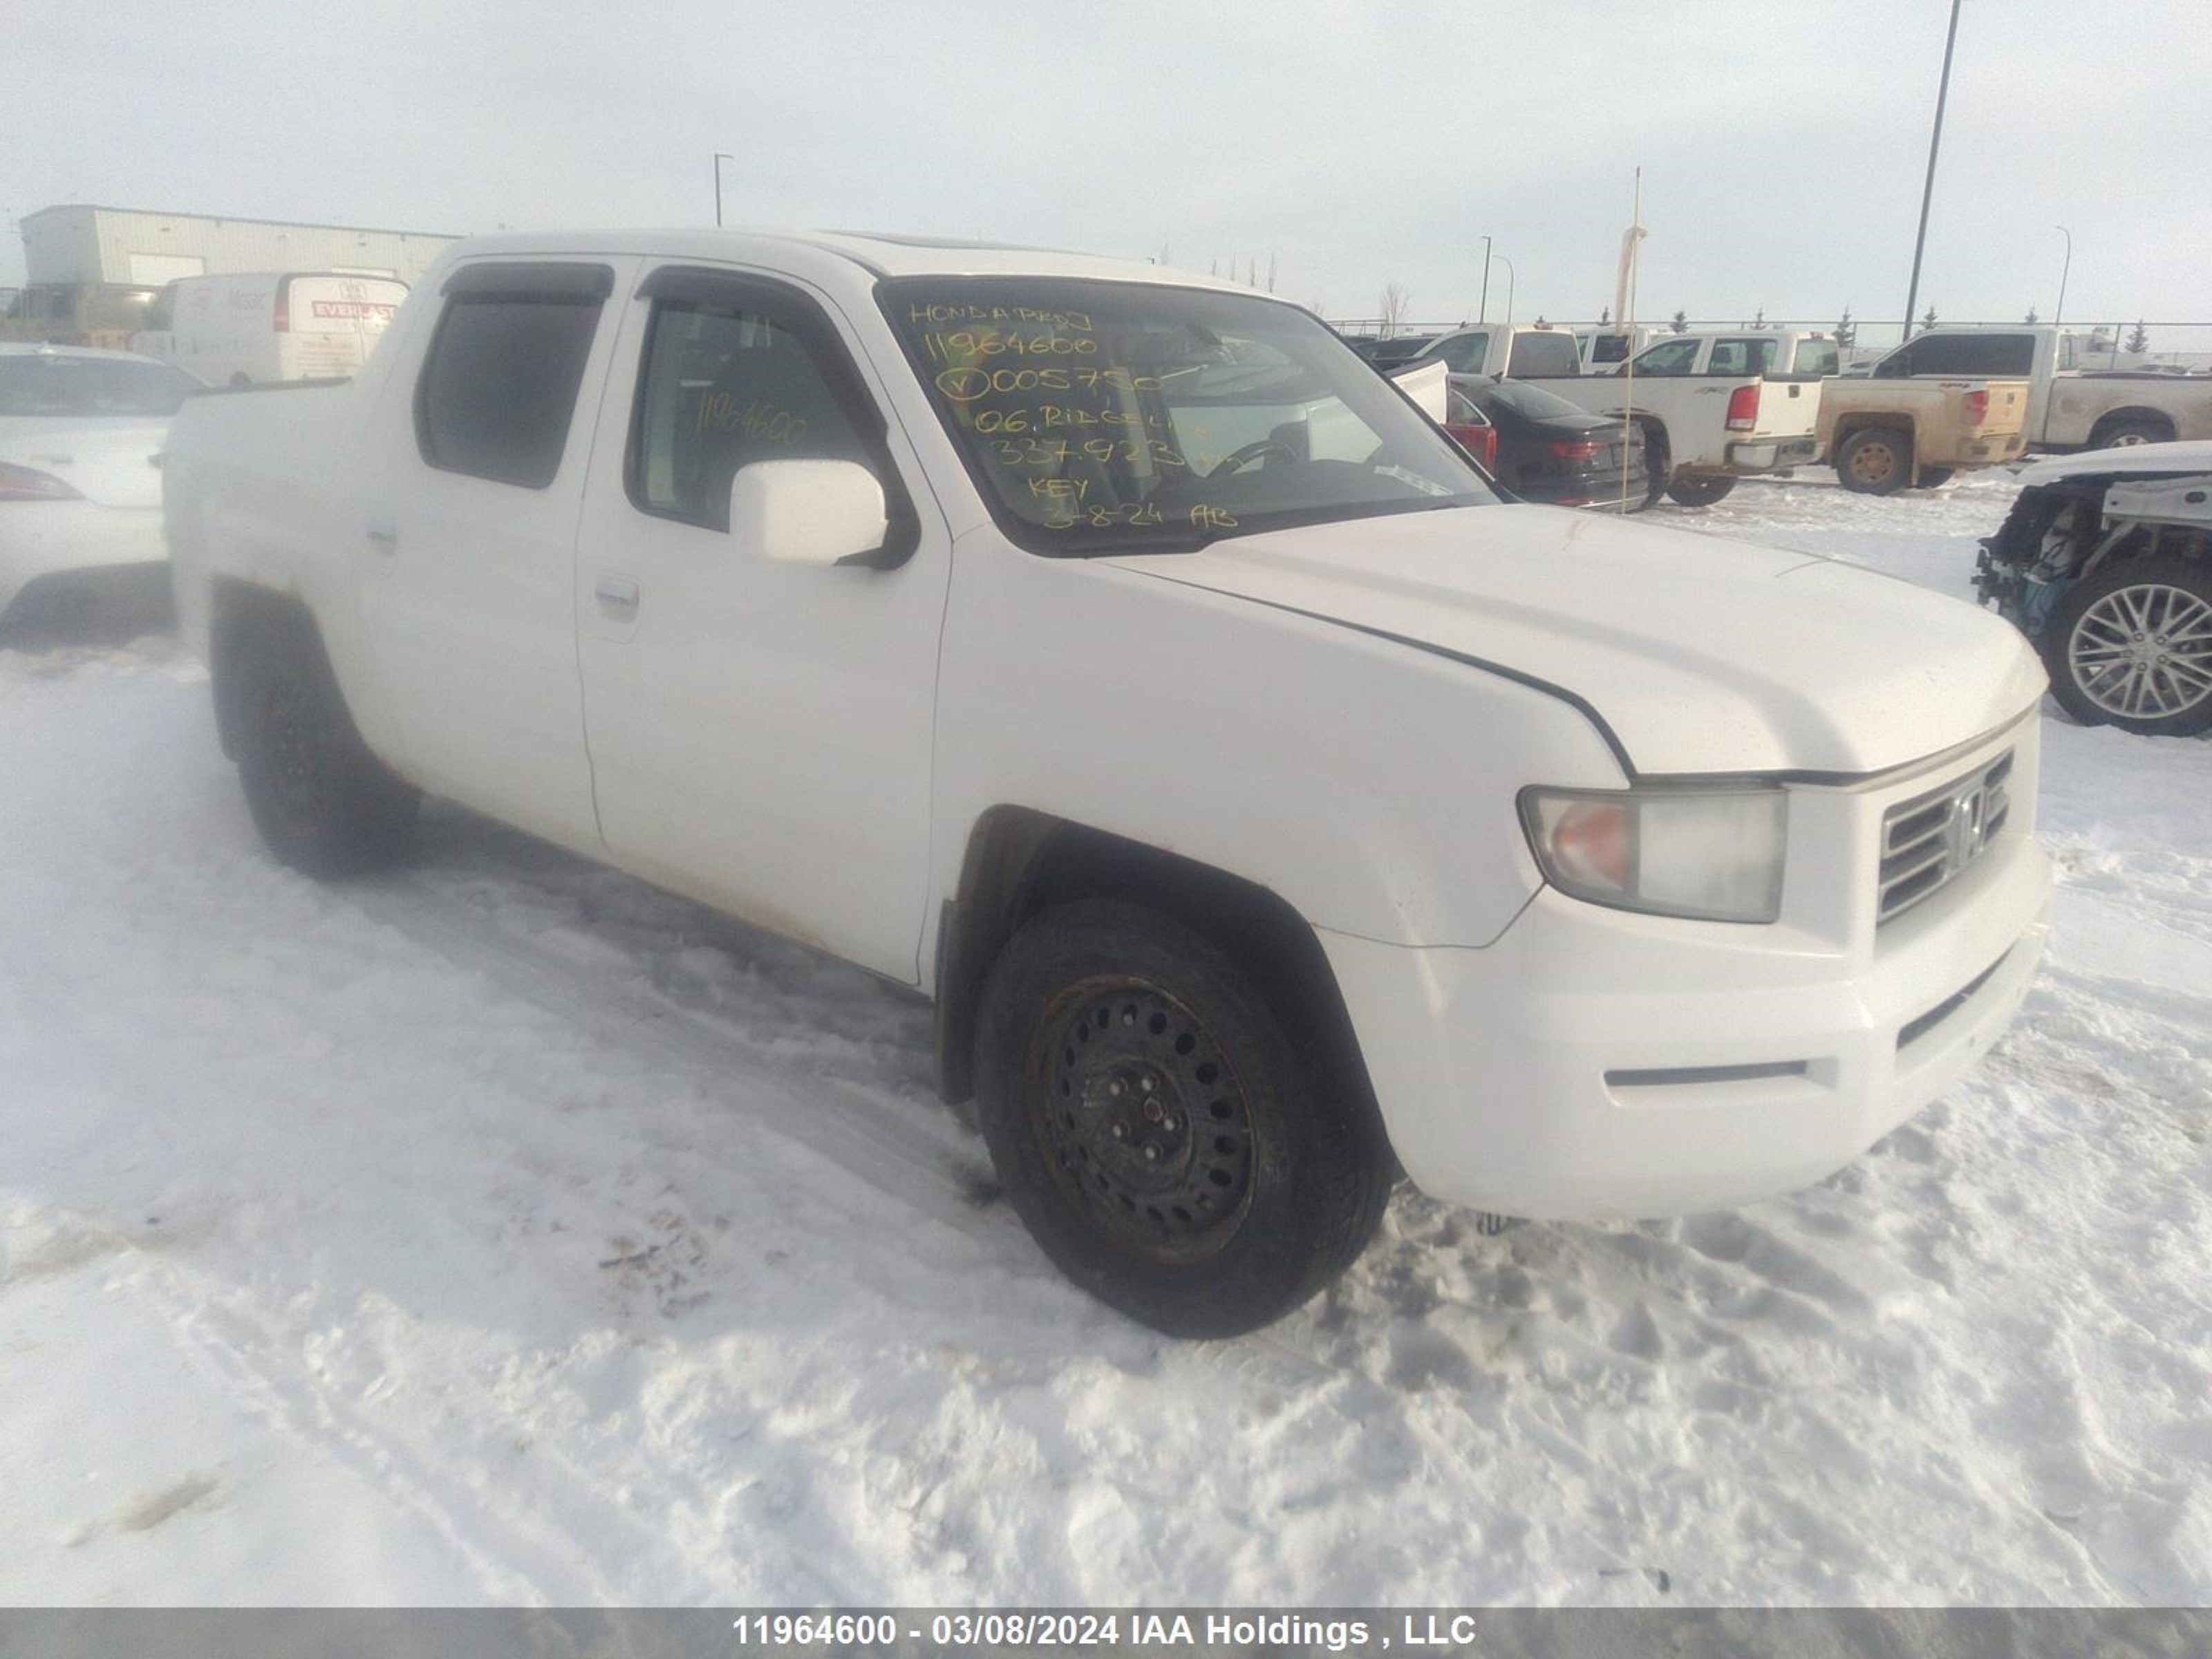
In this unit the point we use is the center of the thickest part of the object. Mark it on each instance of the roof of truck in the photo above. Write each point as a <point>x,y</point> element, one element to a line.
<point>882,254</point>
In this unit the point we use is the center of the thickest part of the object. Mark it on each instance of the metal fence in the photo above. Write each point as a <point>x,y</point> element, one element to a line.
<point>1869,334</point>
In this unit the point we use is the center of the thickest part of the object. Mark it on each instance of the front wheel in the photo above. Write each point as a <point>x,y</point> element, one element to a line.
<point>2132,647</point>
<point>1698,492</point>
<point>1875,460</point>
<point>1176,1148</point>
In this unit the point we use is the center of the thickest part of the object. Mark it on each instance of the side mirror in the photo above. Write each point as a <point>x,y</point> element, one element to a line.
<point>819,512</point>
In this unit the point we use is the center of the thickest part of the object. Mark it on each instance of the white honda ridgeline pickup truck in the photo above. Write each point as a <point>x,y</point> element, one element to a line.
<point>1114,657</point>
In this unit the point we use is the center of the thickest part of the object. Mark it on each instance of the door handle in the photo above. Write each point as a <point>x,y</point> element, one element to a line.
<point>617,598</point>
<point>382,535</point>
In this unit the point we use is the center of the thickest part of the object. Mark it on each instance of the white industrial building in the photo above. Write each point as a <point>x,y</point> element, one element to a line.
<point>85,244</point>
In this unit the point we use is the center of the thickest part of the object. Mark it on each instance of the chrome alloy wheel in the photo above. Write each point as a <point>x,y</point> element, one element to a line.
<point>2143,653</point>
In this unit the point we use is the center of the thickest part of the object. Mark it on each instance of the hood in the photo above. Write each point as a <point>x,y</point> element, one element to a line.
<point>110,462</point>
<point>2181,457</point>
<point>1700,655</point>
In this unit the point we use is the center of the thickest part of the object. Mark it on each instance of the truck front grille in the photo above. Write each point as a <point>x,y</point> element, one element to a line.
<point>1930,839</point>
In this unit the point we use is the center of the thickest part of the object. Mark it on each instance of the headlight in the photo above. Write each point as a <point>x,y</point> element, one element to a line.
<point>1712,855</point>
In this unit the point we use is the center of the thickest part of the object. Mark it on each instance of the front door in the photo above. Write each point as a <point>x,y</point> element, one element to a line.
<point>760,731</point>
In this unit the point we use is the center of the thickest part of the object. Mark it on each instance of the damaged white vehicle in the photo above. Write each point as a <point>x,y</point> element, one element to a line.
<point>2105,563</point>
<point>1112,656</point>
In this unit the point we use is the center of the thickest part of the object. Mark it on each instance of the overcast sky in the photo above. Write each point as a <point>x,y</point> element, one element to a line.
<point>1781,143</point>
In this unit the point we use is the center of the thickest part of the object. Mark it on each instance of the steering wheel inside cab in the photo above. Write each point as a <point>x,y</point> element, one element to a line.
<point>1287,442</point>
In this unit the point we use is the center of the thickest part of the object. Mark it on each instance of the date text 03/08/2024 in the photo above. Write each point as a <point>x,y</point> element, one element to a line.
<point>1080,1631</point>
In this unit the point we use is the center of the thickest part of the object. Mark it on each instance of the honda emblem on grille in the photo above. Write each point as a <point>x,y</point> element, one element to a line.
<point>1968,825</point>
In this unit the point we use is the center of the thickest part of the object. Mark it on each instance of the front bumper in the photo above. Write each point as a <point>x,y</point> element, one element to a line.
<point>1772,454</point>
<point>1595,1063</point>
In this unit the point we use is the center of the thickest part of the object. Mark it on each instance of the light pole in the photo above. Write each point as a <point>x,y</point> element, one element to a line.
<point>1482,310</point>
<point>1927,190</point>
<point>2059,315</point>
<point>1508,264</point>
<point>719,157</point>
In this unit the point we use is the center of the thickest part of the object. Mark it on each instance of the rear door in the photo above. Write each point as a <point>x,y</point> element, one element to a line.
<point>467,544</point>
<point>760,730</point>
<point>327,325</point>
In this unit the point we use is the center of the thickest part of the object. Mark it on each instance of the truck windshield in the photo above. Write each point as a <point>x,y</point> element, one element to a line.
<point>1100,416</point>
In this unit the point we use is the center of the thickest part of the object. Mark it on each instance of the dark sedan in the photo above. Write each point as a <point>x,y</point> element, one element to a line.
<point>1549,451</point>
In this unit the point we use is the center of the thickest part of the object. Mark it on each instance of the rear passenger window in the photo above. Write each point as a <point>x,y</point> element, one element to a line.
<point>499,388</point>
<point>1536,357</point>
<point>1816,357</point>
<point>724,386</point>
<point>1675,357</point>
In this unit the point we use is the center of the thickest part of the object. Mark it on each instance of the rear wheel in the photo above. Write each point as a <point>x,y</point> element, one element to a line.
<point>323,804</point>
<point>1698,492</point>
<point>1935,477</point>
<point>2132,647</point>
<point>2127,434</point>
<point>1875,460</point>
<point>1176,1147</point>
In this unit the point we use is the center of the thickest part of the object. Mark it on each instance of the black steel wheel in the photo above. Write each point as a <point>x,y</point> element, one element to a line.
<point>1702,491</point>
<point>1178,1146</point>
<point>1145,1123</point>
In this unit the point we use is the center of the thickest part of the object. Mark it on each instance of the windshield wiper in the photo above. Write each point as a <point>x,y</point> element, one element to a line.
<point>1181,541</point>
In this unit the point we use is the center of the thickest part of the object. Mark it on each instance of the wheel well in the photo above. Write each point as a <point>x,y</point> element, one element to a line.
<point>1849,426</point>
<point>2119,417</point>
<point>1020,862</point>
<point>240,612</point>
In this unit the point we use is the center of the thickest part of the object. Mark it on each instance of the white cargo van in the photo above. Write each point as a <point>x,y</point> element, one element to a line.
<point>258,327</point>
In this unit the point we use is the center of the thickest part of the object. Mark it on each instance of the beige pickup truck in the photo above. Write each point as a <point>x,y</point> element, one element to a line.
<point>1886,434</point>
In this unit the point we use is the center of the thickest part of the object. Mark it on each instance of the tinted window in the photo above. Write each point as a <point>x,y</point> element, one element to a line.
<point>1609,348</point>
<point>1815,357</point>
<point>1730,357</point>
<point>723,387</point>
<point>89,387</point>
<point>1977,354</point>
<point>1539,354</point>
<point>1462,354</point>
<point>500,386</point>
<point>1669,357</point>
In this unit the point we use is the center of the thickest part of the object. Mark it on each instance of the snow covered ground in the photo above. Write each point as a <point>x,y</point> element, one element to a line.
<point>502,1230</point>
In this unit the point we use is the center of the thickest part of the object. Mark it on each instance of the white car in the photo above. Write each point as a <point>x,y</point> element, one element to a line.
<point>80,494</point>
<point>1115,657</point>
